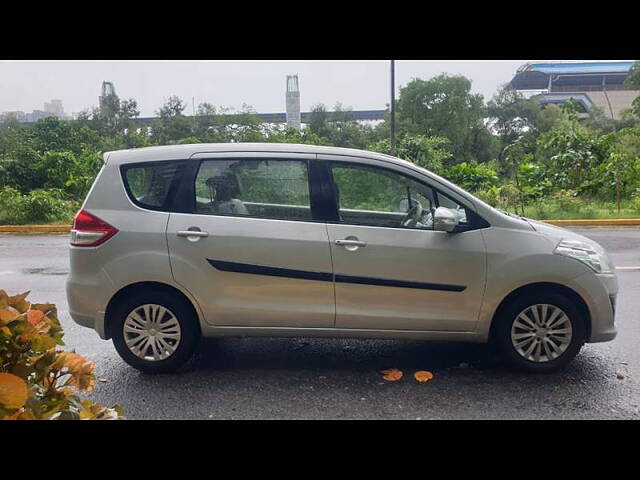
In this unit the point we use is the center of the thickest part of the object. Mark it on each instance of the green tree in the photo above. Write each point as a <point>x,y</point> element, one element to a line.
<point>318,121</point>
<point>511,115</point>
<point>427,152</point>
<point>623,163</point>
<point>172,125</point>
<point>633,77</point>
<point>569,153</point>
<point>445,107</point>
<point>633,80</point>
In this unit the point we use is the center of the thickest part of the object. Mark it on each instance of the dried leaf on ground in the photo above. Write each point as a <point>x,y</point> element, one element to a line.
<point>423,376</point>
<point>391,374</point>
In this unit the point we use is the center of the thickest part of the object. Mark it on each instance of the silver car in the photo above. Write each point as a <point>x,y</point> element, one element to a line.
<point>179,242</point>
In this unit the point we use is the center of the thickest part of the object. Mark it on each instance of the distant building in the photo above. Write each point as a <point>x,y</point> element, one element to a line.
<point>17,115</point>
<point>293,102</point>
<point>108,100</point>
<point>55,108</point>
<point>589,84</point>
<point>38,115</point>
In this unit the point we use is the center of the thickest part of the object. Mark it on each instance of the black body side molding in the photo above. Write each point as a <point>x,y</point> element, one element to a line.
<point>236,267</point>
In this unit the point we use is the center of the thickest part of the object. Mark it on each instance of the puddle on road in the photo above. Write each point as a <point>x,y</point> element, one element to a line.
<point>44,271</point>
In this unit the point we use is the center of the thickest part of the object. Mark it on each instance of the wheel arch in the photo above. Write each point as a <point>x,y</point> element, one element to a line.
<point>532,289</point>
<point>139,286</point>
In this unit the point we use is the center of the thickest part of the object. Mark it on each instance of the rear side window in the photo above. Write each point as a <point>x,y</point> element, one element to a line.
<point>263,188</point>
<point>150,185</point>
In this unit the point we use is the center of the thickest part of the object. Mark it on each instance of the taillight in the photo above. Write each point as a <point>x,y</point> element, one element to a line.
<point>90,231</point>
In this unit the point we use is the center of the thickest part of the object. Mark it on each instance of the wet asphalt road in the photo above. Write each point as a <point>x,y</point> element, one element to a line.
<point>264,378</point>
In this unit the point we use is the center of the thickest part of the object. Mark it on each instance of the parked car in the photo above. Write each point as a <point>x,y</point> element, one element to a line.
<point>179,242</point>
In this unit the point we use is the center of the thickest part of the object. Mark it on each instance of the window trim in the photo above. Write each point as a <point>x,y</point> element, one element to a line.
<point>169,201</point>
<point>476,222</point>
<point>315,190</point>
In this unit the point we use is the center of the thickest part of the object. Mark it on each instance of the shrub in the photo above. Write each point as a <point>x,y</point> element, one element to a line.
<point>567,201</point>
<point>36,206</point>
<point>473,176</point>
<point>38,381</point>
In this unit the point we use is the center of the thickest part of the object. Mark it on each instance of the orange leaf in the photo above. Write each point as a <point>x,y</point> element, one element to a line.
<point>13,391</point>
<point>423,376</point>
<point>34,316</point>
<point>391,374</point>
<point>19,302</point>
<point>8,314</point>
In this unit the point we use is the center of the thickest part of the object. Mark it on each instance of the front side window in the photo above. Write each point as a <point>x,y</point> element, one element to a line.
<point>149,185</point>
<point>263,188</point>
<point>375,196</point>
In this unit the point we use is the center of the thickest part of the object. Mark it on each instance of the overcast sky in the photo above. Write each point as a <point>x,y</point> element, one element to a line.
<point>362,85</point>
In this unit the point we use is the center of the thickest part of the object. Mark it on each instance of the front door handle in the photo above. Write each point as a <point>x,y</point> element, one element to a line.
<point>350,243</point>
<point>355,243</point>
<point>192,235</point>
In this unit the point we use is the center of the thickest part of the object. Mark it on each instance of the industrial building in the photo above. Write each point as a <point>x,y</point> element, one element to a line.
<point>589,84</point>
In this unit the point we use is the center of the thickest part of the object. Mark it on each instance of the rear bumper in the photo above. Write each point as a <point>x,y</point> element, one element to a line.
<point>599,293</point>
<point>86,304</point>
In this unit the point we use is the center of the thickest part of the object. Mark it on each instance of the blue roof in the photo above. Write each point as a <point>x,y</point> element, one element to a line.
<point>581,67</point>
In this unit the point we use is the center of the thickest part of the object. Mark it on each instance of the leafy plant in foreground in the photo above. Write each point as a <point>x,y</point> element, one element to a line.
<point>37,380</point>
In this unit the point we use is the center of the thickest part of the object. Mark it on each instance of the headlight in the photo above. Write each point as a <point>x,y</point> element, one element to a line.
<point>588,253</point>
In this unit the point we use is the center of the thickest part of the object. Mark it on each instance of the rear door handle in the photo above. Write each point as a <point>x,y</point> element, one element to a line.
<point>192,233</point>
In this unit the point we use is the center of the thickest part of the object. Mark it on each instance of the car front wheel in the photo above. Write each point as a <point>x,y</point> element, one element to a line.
<point>541,332</point>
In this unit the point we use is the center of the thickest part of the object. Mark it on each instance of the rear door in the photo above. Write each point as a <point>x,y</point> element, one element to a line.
<point>248,246</point>
<point>391,272</point>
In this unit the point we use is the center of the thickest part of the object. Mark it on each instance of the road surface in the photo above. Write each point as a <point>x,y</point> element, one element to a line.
<point>265,378</point>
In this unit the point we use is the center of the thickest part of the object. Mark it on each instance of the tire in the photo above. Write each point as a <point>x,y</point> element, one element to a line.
<point>516,349</point>
<point>172,342</point>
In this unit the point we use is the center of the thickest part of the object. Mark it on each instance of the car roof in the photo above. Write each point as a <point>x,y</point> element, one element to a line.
<point>180,152</point>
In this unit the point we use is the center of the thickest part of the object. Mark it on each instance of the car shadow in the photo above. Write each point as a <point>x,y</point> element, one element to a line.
<point>357,355</point>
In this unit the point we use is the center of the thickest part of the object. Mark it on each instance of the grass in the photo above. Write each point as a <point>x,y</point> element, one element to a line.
<point>65,219</point>
<point>581,210</point>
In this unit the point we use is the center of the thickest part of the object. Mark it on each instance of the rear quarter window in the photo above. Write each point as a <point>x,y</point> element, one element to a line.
<point>151,185</point>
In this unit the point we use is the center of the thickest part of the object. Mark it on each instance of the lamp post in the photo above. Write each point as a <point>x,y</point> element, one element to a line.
<point>392,108</point>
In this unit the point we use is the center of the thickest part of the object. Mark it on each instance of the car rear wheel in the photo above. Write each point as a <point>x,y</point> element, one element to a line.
<point>155,332</point>
<point>542,332</point>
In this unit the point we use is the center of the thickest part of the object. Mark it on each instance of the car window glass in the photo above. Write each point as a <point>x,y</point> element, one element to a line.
<point>444,201</point>
<point>265,188</point>
<point>370,195</point>
<point>148,185</point>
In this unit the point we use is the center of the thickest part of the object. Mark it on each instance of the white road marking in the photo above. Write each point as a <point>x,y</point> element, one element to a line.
<point>628,268</point>
<point>6,272</point>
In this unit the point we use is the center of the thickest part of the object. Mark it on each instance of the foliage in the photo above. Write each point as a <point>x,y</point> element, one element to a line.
<point>427,152</point>
<point>38,380</point>
<point>445,107</point>
<point>633,77</point>
<point>510,151</point>
<point>569,152</point>
<point>511,115</point>
<point>35,206</point>
<point>474,176</point>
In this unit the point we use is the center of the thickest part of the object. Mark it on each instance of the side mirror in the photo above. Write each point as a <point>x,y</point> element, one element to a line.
<point>444,219</point>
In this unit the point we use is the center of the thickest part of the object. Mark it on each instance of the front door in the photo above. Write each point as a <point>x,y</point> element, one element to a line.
<point>250,251</point>
<point>392,271</point>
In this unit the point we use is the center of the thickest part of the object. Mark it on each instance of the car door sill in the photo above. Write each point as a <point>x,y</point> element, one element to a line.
<point>444,335</point>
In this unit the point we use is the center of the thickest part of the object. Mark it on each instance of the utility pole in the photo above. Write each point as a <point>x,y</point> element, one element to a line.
<point>392,108</point>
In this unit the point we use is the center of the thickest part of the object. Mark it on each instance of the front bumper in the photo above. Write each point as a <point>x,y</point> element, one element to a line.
<point>599,291</point>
